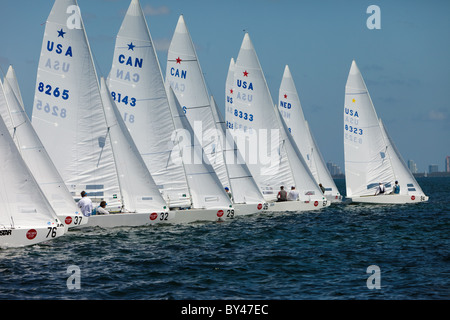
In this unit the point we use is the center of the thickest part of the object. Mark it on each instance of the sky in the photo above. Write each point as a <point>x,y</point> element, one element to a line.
<point>405,63</point>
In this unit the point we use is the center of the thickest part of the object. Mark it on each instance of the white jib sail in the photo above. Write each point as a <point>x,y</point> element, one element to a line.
<point>370,155</point>
<point>24,205</point>
<point>204,185</point>
<point>67,111</point>
<point>184,75</point>
<point>243,187</point>
<point>139,191</point>
<point>137,86</point>
<point>402,174</point>
<point>291,110</point>
<point>32,150</point>
<point>254,118</point>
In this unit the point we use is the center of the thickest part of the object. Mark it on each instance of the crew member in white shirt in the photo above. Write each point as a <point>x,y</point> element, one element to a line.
<point>101,209</point>
<point>293,194</point>
<point>85,204</point>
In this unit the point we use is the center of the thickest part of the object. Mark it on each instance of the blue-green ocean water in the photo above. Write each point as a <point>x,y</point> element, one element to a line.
<point>313,255</point>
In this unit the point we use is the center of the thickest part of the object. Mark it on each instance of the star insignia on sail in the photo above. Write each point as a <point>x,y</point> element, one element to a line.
<point>285,96</point>
<point>179,60</point>
<point>61,33</point>
<point>245,73</point>
<point>231,91</point>
<point>353,100</point>
<point>131,46</point>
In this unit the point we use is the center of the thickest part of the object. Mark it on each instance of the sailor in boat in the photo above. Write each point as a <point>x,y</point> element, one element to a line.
<point>85,204</point>
<point>293,194</point>
<point>101,209</point>
<point>230,195</point>
<point>396,188</point>
<point>282,195</point>
<point>322,188</point>
<point>381,189</point>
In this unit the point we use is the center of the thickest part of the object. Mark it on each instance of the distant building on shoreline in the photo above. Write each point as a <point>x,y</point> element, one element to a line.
<point>447,164</point>
<point>334,170</point>
<point>412,166</point>
<point>432,168</point>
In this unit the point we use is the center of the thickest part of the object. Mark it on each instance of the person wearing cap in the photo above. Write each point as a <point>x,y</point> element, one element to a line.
<point>293,194</point>
<point>101,209</point>
<point>85,204</point>
<point>228,192</point>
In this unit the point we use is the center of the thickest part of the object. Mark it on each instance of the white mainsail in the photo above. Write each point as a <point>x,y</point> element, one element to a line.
<point>370,155</point>
<point>67,111</point>
<point>137,86</point>
<point>254,117</point>
<point>229,90</point>
<point>184,75</point>
<point>26,216</point>
<point>291,110</point>
<point>139,191</point>
<point>35,155</point>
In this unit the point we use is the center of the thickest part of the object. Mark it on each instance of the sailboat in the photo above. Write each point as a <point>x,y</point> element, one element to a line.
<point>185,77</point>
<point>371,157</point>
<point>67,111</point>
<point>70,113</point>
<point>35,155</point>
<point>256,123</point>
<point>26,218</point>
<point>142,201</point>
<point>292,113</point>
<point>152,116</point>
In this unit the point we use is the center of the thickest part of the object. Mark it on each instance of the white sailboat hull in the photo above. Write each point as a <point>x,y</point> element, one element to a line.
<point>26,236</point>
<point>243,209</point>
<point>389,199</point>
<point>72,220</point>
<point>333,198</point>
<point>297,205</point>
<point>144,219</point>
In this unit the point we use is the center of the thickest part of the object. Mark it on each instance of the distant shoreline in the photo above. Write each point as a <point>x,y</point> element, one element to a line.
<point>416,175</point>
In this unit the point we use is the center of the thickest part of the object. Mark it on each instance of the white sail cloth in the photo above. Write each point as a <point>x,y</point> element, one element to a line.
<point>24,205</point>
<point>139,191</point>
<point>204,185</point>
<point>137,86</point>
<point>274,160</point>
<point>185,77</point>
<point>291,110</point>
<point>67,110</point>
<point>370,154</point>
<point>33,151</point>
<point>152,116</point>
